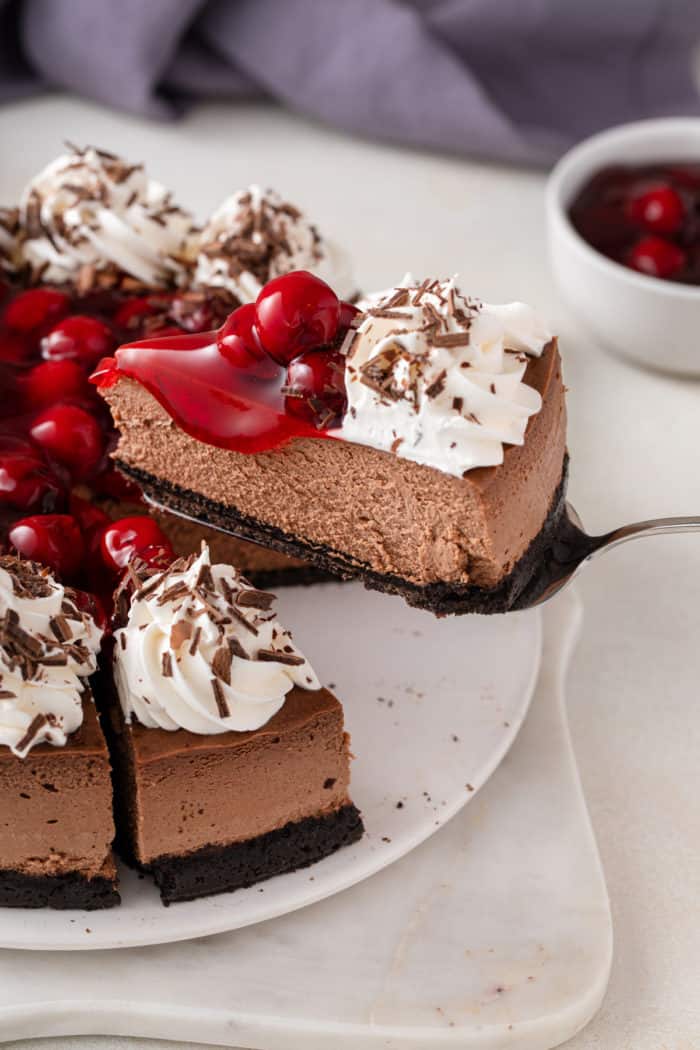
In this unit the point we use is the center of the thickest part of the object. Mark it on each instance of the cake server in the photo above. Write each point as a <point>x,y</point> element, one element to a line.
<point>573,548</point>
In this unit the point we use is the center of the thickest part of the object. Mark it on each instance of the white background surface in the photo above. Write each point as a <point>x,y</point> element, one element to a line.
<point>635,447</point>
<point>495,935</point>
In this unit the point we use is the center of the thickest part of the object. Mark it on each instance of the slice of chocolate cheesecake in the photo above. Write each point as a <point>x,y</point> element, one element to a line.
<point>419,445</point>
<point>232,763</point>
<point>56,826</point>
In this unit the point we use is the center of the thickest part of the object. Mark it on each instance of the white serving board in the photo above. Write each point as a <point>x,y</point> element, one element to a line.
<point>432,706</point>
<point>494,934</point>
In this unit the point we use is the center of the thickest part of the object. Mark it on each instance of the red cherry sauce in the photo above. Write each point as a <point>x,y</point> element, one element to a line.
<point>210,397</point>
<point>645,217</point>
<point>56,432</point>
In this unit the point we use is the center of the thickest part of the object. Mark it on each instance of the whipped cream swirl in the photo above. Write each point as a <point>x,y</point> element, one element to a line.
<point>90,209</point>
<point>437,378</point>
<point>201,651</point>
<point>48,649</point>
<point>255,236</point>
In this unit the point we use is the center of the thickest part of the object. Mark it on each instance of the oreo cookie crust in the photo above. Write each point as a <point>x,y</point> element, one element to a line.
<point>442,597</point>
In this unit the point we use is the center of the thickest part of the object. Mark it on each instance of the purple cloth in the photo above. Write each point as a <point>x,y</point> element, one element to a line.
<point>515,80</point>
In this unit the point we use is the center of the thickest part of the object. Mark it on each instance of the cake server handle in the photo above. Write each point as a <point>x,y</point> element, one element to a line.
<point>573,548</point>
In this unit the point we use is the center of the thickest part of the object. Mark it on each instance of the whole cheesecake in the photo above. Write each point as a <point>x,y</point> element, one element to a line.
<point>419,445</point>
<point>98,253</point>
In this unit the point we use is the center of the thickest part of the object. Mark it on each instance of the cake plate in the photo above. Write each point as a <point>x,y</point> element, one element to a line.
<point>495,934</point>
<point>432,706</point>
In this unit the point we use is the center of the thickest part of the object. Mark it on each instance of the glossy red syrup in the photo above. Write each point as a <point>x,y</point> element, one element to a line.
<point>219,391</point>
<point>644,217</point>
<point>210,398</point>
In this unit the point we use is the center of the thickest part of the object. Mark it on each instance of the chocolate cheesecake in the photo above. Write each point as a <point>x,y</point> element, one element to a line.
<point>56,813</point>
<point>97,253</point>
<point>419,445</point>
<point>231,762</point>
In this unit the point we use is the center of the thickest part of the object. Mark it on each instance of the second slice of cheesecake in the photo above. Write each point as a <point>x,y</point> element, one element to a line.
<point>232,763</point>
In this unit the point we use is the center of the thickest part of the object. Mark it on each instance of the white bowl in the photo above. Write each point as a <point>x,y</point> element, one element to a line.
<point>652,321</point>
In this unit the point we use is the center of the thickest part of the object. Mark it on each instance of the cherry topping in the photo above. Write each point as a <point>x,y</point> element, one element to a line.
<point>130,537</point>
<point>239,342</point>
<point>27,483</point>
<point>659,209</point>
<point>14,348</point>
<point>315,388</point>
<point>54,540</point>
<point>70,435</point>
<point>78,338</point>
<point>36,308</point>
<point>656,257</point>
<point>296,312</point>
<point>53,381</point>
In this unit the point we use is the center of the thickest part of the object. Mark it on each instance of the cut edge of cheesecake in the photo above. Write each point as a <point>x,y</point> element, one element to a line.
<point>192,766</point>
<point>35,783</point>
<point>68,891</point>
<point>222,869</point>
<point>440,597</point>
<point>514,510</point>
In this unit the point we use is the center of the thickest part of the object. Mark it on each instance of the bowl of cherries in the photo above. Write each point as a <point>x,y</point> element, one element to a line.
<point>623,217</point>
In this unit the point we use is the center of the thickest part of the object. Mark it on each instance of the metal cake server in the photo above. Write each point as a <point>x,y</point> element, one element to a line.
<point>573,548</point>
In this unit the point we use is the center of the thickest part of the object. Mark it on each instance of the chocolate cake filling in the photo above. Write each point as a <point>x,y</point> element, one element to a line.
<point>206,814</point>
<point>56,821</point>
<point>447,543</point>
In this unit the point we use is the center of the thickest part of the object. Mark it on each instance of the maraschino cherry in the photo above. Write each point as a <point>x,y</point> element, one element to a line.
<point>658,209</point>
<point>137,536</point>
<point>78,338</point>
<point>55,540</point>
<point>656,257</point>
<point>35,309</point>
<point>239,342</point>
<point>70,435</point>
<point>53,381</point>
<point>296,312</point>
<point>27,483</point>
